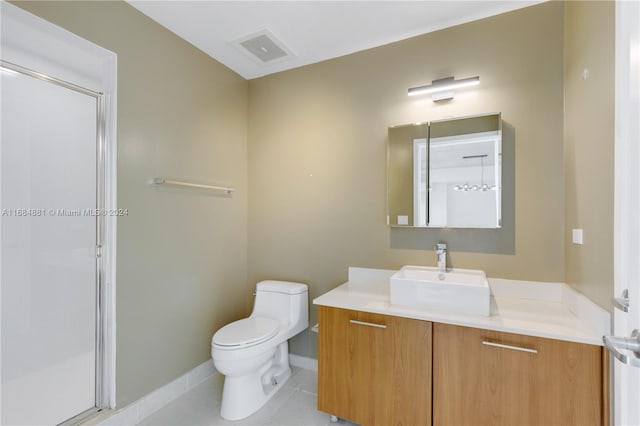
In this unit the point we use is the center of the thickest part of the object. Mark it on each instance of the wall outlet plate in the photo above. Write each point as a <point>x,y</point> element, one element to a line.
<point>577,236</point>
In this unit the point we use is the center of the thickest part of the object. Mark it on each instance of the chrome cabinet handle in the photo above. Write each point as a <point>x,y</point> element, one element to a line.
<point>622,303</point>
<point>513,348</point>
<point>368,324</point>
<point>616,345</point>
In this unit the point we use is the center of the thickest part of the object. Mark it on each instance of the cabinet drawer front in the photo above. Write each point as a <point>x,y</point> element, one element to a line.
<point>374,369</point>
<point>483,377</point>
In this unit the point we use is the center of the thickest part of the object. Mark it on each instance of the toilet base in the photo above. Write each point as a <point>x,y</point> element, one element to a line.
<point>244,395</point>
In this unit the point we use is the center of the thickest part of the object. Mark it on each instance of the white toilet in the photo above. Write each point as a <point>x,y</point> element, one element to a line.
<point>253,352</point>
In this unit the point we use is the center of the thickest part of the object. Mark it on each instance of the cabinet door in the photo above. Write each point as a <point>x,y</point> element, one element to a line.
<point>374,369</point>
<point>477,382</point>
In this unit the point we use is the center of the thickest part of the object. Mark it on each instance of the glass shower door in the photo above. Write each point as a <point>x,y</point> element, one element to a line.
<point>48,252</point>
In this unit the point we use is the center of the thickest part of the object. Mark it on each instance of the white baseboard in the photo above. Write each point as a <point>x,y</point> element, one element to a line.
<point>303,362</point>
<point>133,413</point>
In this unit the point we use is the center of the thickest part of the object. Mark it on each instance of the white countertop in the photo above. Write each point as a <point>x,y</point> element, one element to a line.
<point>550,310</point>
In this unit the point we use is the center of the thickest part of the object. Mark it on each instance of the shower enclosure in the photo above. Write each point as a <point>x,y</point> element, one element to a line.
<point>56,363</point>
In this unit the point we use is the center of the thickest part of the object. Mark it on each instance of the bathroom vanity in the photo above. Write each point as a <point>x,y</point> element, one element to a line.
<point>536,360</point>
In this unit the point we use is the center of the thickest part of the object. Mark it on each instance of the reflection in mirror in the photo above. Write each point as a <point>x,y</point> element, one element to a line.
<point>403,141</point>
<point>464,172</point>
<point>446,174</point>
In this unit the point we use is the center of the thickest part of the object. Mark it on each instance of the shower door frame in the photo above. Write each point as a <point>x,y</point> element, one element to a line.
<point>104,91</point>
<point>100,299</point>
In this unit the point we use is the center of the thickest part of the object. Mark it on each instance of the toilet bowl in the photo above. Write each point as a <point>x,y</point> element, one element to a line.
<point>253,352</point>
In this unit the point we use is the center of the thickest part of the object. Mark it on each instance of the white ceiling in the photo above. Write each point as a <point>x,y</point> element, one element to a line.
<point>313,30</point>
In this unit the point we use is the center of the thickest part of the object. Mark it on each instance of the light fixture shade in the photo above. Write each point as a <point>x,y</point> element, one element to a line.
<point>443,85</point>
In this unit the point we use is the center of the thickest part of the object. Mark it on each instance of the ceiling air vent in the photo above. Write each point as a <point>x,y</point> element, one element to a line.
<point>263,47</point>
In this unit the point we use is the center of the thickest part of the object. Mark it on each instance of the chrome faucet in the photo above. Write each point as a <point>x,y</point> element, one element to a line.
<point>441,251</point>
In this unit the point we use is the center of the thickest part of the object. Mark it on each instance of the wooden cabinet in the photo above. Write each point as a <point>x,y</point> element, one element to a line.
<point>384,370</point>
<point>483,377</point>
<point>374,369</point>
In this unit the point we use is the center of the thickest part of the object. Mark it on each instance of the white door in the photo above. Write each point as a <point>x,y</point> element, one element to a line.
<point>625,345</point>
<point>49,287</point>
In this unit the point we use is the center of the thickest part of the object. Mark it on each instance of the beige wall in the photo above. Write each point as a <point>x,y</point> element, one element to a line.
<point>181,255</point>
<point>589,147</point>
<point>316,163</point>
<point>317,147</point>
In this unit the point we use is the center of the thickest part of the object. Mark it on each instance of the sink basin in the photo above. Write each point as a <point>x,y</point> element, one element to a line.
<point>463,291</point>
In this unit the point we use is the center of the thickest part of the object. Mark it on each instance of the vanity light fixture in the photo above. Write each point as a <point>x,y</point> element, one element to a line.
<point>443,89</point>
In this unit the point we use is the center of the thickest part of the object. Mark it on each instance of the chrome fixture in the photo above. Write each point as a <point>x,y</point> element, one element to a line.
<point>441,251</point>
<point>622,302</point>
<point>616,345</point>
<point>158,181</point>
<point>14,69</point>
<point>513,348</point>
<point>368,324</point>
<point>443,89</point>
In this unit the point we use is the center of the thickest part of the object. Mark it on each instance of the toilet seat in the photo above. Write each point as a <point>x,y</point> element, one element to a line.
<point>246,332</point>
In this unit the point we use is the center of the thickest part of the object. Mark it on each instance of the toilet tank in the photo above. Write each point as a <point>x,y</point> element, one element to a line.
<point>284,301</point>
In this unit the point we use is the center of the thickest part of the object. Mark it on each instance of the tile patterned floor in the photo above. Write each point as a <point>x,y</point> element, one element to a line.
<point>294,404</point>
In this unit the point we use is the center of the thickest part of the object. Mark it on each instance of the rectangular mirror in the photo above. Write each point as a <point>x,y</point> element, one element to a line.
<point>446,173</point>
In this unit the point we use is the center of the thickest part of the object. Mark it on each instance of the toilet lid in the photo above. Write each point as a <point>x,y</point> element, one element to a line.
<point>247,331</point>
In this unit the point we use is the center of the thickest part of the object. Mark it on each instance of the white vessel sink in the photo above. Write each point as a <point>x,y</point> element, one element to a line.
<point>462,291</point>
